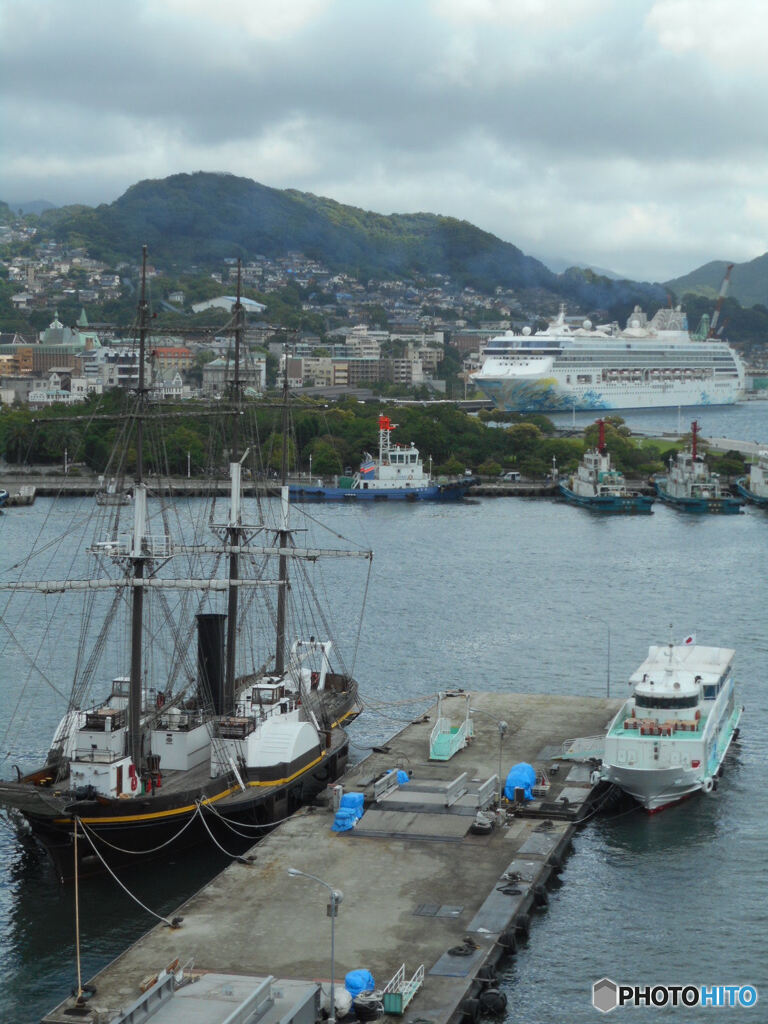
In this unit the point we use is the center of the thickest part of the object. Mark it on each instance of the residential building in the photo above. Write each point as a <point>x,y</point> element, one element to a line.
<point>226,302</point>
<point>171,357</point>
<point>219,373</point>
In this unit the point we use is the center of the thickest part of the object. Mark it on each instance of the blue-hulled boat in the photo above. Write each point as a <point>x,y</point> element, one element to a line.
<point>3,496</point>
<point>691,487</point>
<point>598,487</point>
<point>396,475</point>
<point>754,487</point>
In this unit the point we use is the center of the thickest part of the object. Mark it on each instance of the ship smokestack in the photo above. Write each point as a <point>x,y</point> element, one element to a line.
<point>210,659</point>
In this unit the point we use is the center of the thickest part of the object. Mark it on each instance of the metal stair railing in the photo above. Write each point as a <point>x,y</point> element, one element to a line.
<point>398,992</point>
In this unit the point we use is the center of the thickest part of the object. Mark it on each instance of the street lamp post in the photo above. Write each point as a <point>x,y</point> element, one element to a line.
<point>336,896</point>
<point>502,732</point>
<point>608,654</point>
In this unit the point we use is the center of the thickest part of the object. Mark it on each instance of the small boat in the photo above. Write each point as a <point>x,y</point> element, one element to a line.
<point>755,486</point>
<point>4,496</point>
<point>111,493</point>
<point>670,737</point>
<point>596,486</point>
<point>691,487</point>
<point>396,475</point>
<point>209,728</point>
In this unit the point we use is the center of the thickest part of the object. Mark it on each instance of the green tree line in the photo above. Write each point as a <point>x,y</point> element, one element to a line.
<point>189,437</point>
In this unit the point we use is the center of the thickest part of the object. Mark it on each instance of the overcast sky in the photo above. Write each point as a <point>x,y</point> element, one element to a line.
<point>630,134</point>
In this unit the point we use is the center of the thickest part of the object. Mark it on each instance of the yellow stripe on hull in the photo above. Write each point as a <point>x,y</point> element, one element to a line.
<point>189,808</point>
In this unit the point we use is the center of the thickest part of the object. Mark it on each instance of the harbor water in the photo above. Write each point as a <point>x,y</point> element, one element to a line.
<point>524,595</point>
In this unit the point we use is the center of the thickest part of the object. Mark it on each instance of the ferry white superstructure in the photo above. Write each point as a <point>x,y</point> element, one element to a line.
<point>650,364</point>
<point>670,737</point>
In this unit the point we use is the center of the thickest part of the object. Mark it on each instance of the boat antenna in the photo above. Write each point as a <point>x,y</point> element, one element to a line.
<point>284,532</point>
<point>234,531</point>
<point>601,439</point>
<point>139,552</point>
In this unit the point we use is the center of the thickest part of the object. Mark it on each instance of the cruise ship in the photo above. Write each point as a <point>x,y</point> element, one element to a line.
<point>650,364</point>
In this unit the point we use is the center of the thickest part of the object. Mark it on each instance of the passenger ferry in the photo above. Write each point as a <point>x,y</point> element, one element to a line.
<point>670,737</point>
<point>647,365</point>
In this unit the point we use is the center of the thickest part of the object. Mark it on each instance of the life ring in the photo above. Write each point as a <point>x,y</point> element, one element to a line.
<point>314,679</point>
<point>160,701</point>
<point>708,784</point>
<point>134,783</point>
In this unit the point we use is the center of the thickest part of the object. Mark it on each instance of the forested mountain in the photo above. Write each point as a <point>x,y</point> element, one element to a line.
<point>200,219</point>
<point>749,281</point>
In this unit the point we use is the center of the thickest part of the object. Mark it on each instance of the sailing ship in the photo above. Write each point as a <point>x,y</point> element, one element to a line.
<point>754,486</point>
<point>164,759</point>
<point>597,486</point>
<point>690,485</point>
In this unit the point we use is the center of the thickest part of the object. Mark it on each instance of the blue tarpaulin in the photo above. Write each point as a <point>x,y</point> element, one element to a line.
<point>359,981</point>
<point>402,777</point>
<point>349,813</point>
<point>521,776</point>
<point>353,802</point>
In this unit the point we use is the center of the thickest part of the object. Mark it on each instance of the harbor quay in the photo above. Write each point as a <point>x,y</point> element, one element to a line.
<point>24,489</point>
<point>424,898</point>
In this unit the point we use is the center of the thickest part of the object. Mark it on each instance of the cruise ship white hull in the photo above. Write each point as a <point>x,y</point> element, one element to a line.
<point>650,364</point>
<point>549,394</point>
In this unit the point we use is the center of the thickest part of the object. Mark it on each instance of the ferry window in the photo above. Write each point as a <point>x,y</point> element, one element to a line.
<point>710,692</point>
<point>670,703</point>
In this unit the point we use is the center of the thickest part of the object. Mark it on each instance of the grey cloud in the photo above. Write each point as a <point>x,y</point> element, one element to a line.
<point>390,106</point>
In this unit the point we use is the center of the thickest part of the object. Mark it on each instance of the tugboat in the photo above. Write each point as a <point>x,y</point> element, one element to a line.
<point>596,486</point>
<point>669,738</point>
<point>755,486</point>
<point>212,728</point>
<point>396,475</point>
<point>691,487</point>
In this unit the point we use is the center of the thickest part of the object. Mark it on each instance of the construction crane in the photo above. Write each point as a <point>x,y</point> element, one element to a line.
<point>720,299</point>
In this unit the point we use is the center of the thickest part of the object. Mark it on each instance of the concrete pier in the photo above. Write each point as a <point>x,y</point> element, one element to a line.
<point>418,885</point>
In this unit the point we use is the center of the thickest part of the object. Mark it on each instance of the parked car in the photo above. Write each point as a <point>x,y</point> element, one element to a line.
<point>513,477</point>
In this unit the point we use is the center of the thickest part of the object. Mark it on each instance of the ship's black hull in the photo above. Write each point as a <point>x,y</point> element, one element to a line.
<point>142,829</point>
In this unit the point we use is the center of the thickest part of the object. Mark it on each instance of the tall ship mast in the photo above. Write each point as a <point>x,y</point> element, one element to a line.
<point>207,732</point>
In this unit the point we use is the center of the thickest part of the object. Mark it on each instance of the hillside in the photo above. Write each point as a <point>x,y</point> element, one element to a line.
<point>749,281</point>
<point>200,219</point>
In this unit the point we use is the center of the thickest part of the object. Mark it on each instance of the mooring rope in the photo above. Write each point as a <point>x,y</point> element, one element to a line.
<point>171,924</point>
